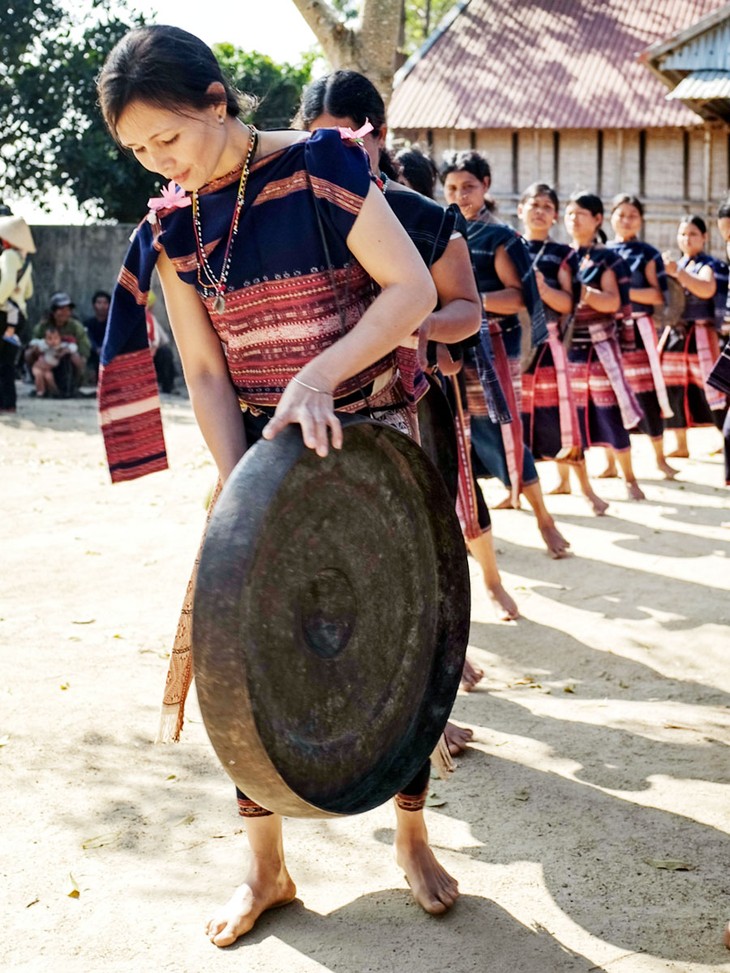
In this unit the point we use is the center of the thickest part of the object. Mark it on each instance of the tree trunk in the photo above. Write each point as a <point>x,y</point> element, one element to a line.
<point>369,48</point>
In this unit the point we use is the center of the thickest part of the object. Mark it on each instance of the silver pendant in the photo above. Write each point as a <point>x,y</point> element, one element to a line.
<point>219,304</point>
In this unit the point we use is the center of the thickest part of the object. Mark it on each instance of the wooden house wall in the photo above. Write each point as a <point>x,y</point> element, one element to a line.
<point>673,170</point>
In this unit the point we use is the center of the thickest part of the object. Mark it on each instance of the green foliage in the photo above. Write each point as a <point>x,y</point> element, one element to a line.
<point>51,131</point>
<point>277,88</point>
<point>421,19</point>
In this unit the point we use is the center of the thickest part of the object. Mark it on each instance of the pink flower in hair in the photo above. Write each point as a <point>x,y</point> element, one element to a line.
<point>347,133</point>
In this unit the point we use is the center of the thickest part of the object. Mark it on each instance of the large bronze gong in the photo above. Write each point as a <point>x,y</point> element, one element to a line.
<point>330,620</point>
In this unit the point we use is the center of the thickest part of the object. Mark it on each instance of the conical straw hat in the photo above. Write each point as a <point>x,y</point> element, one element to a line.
<point>16,231</point>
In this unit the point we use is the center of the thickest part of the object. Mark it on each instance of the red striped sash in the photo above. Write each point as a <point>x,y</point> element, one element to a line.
<point>511,431</point>
<point>648,335</point>
<point>708,351</point>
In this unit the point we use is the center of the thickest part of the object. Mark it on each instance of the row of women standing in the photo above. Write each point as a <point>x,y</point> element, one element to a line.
<point>607,370</point>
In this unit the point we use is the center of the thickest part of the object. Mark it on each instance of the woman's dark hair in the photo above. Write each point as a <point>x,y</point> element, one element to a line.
<point>589,201</point>
<point>347,94</point>
<point>540,189</point>
<point>162,66</point>
<point>468,160</point>
<point>628,200</point>
<point>695,221</point>
<point>343,94</point>
<point>419,170</point>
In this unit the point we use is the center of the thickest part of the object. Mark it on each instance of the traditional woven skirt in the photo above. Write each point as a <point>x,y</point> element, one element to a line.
<point>599,415</point>
<point>541,406</point>
<point>641,379</point>
<point>488,449</point>
<point>638,375</point>
<point>686,388</point>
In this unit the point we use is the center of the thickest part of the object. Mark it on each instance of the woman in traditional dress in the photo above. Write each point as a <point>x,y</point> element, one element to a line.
<point>349,99</point>
<point>607,407</point>
<point>692,346</point>
<point>16,289</point>
<point>506,282</point>
<point>638,333</point>
<point>549,416</point>
<point>247,240</point>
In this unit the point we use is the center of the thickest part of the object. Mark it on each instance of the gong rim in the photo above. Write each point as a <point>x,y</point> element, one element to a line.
<point>232,683</point>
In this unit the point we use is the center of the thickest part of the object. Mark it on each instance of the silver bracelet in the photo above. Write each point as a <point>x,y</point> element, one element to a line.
<point>310,387</point>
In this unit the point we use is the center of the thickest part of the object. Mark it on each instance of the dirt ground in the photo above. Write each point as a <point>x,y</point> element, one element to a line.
<point>600,753</point>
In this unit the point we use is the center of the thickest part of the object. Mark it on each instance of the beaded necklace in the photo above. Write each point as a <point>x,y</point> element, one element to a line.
<point>218,286</point>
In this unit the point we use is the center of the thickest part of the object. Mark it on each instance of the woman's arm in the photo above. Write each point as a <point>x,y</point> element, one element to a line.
<point>510,299</point>
<point>382,247</point>
<point>701,284</point>
<point>212,394</point>
<point>459,314</point>
<point>651,294</point>
<point>559,299</point>
<point>607,300</point>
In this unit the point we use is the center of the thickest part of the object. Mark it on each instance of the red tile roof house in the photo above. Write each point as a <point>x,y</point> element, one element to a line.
<point>557,91</point>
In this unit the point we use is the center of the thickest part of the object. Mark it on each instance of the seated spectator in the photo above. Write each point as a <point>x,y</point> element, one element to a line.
<point>71,331</point>
<point>52,350</point>
<point>161,349</point>
<point>96,329</point>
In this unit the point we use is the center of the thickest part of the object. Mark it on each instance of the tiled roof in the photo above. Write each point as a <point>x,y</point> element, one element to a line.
<point>552,64</point>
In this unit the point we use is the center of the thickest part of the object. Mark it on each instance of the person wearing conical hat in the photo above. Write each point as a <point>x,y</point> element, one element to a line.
<point>16,288</point>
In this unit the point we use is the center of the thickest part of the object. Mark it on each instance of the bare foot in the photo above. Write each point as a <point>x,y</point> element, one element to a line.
<point>560,489</point>
<point>554,541</point>
<point>610,473</point>
<point>238,916</point>
<point>432,886</point>
<point>470,676</point>
<point>668,471</point>
<point>457,738</point>
<point>503,605</point>
<point>679,453</point>
<point>505,504</point>
<point>726,936</point>
<point>634,491</point>
<point>598,506</point>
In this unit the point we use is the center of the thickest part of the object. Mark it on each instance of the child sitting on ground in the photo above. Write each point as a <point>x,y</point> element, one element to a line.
<point>53,349</point>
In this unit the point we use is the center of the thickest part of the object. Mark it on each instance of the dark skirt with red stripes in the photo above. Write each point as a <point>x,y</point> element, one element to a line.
<point>599,415</point>
<point>685,385</point>
<point>540,406</point>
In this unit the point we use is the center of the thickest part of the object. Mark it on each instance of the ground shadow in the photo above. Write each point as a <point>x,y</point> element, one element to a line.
<point>659,541</point>
<point>555,659</point>
<point>614,591</point>
<point>594,851</point>
<point>476,935</point>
